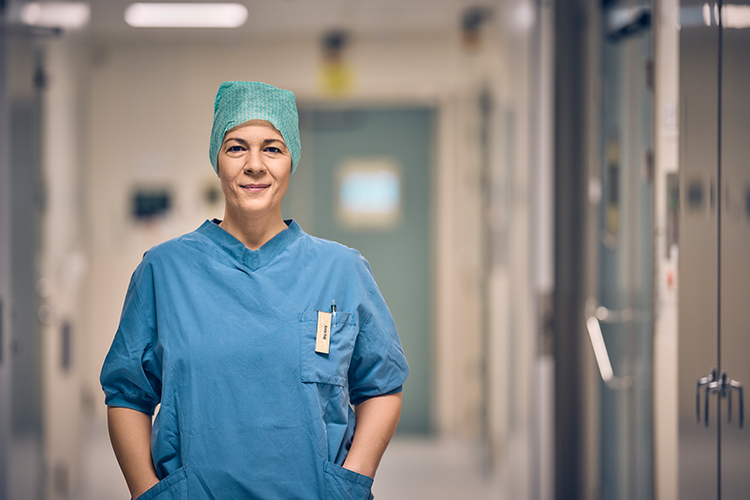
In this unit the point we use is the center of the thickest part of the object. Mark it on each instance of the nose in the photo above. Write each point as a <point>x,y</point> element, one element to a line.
<point>254,164</point>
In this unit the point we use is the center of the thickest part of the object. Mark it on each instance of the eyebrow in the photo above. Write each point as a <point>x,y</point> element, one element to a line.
<point>244,142</point>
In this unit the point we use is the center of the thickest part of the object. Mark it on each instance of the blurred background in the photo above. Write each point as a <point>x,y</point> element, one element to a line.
<point>554,197</point>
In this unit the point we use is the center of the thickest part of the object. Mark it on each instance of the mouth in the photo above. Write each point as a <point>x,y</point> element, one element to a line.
<point>254,188</point>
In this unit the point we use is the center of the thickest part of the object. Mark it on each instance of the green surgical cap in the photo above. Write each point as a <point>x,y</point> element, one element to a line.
<point>239,102</point>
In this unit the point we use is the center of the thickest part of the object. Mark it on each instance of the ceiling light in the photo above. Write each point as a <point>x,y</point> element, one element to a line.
<point>185,15</point>
<point>736,16</point>
<point>56,14</point>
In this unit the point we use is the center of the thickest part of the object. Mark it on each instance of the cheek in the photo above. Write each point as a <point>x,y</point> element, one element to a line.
<point>284,173</point>
<point>285,187</point>
<point>226,168</point>
<point>224,178</point>
<point>285,181</point>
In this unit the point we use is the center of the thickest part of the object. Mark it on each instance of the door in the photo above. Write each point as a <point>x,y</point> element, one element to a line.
<point>714,270</point>
<point>21,362</point>
<point>698,254</point>
<point>734,332</point>
<point>620,322</point>
<point>364,181</point>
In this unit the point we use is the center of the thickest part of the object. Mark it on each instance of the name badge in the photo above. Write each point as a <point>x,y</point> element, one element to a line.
<point>323,338</point>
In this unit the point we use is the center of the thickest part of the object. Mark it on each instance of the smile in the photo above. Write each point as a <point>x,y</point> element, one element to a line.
<point>254,188</point>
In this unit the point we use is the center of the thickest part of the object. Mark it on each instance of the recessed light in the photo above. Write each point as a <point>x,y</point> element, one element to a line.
<point>186,15</point>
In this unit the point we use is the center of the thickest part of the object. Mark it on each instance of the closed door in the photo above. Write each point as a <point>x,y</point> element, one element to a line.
<point>734,273</point>
<point>715,237</point>
<point>364,181</point>
<point>698,253</point>
<point>21,341</point>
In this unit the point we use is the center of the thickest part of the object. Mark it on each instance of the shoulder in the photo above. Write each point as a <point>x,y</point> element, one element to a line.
<point>344,255</point>
<point>175,247</point>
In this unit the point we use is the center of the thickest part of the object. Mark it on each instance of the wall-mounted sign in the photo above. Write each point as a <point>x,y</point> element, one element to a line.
<point>148,203</point>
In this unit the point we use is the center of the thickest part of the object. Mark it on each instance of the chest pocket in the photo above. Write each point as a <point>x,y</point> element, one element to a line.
<point>328,368</point>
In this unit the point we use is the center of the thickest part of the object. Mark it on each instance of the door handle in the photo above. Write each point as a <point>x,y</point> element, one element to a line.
<point>725,387</point>
<point>602,356</point>
<point>730,387</point>
<point>707,383</point>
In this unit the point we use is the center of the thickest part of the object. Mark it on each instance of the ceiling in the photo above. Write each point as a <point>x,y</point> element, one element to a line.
<point>297,18</point>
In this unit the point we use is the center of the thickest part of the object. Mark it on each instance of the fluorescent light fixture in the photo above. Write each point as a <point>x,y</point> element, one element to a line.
<point>186,15</point>
<point>69,15</point>
<point>736,16</point>
<point>733,16</point>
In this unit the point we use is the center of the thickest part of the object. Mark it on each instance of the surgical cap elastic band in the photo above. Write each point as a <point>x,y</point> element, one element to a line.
<point>240,102</point>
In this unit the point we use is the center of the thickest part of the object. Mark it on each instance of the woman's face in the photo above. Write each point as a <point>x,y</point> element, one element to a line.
<point>254,169</point>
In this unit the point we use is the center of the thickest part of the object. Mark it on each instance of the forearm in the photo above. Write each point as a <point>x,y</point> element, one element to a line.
<point>377,419</point>
<point>130,433</point>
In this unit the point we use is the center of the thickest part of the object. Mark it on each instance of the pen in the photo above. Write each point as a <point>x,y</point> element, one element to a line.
<point>333,314</point>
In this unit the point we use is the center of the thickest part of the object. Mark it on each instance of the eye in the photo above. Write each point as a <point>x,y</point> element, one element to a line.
<point>235,149</point>
<point>273,150</point>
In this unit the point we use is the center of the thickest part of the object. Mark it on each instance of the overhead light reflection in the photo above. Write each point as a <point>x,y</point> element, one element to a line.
<point>185,15</point>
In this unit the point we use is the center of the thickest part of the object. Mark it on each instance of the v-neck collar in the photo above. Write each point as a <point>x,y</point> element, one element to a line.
<point>252,259</point>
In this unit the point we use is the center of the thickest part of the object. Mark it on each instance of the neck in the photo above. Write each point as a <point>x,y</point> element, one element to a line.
<point>254,233</point>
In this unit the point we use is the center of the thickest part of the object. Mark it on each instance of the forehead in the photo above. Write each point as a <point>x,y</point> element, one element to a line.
<point>253,126</point>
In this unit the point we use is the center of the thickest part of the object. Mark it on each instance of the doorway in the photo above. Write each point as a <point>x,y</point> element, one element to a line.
<point>365,181</point>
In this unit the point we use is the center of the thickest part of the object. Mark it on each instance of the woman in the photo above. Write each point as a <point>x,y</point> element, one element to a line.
<point>254,338</point>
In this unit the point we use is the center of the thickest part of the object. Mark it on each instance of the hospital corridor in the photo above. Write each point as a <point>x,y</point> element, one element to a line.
<point>550,201</point>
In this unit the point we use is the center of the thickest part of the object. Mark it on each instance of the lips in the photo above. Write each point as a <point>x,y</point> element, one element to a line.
<point>254,188</point>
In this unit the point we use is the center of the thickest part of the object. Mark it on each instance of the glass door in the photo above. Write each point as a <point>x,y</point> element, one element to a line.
<point>620,322</point>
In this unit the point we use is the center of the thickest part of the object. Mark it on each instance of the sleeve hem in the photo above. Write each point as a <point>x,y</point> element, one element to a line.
<point>118,401</point>
<point>363,398</point>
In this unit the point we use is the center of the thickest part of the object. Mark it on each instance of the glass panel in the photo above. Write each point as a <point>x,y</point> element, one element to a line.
<point>625,251</point>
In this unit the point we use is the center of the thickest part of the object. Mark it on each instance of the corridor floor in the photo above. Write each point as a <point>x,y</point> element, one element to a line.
<point>412,469</point>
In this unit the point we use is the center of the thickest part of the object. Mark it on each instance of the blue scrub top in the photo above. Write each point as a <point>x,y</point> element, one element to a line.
<point>223,339</point>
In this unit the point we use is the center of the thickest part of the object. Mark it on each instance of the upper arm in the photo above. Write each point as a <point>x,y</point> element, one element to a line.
<point>378,364</point>
<point>131,373</point>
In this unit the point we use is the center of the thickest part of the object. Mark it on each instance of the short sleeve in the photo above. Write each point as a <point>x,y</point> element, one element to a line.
<point>378,365</point>
<point>131,374</point>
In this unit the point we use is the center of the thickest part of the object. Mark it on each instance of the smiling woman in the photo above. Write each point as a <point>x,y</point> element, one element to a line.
<point>222,329</point>
<point>254,167</point>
